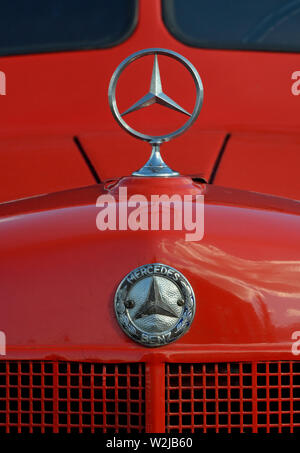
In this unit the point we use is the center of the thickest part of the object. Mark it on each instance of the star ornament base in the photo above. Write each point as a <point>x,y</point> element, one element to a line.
<point>155,166</point>
<point>155,305</point>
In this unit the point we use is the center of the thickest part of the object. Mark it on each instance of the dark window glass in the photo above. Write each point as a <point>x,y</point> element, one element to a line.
<point>34,26</point>
<point>271,25</point>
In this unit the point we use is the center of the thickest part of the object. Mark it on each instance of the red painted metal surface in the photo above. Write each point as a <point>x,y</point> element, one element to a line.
<point>262,163</point>
<point>251,397</point>
<point>40,165</point>
<point>155,397</point>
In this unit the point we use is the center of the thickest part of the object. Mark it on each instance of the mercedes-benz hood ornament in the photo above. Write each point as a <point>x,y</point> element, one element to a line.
<point>155,165</point>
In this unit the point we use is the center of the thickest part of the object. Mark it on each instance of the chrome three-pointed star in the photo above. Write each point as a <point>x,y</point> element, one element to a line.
<point>155,303</point>
<point>155,95</point>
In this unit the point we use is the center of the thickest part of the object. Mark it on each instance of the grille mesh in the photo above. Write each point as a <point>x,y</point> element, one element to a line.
<point>55,396</point>
<point>229,397</point>
<point>70,396</point>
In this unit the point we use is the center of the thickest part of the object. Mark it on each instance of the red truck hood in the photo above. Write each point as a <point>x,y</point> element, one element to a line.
<point>59,273</point>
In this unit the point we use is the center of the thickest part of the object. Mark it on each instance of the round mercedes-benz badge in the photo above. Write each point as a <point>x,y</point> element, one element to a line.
<point>155,304</point>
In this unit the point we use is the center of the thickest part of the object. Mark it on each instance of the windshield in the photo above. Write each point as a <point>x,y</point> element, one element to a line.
<point>45,26</point>
<point>271,25</point>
